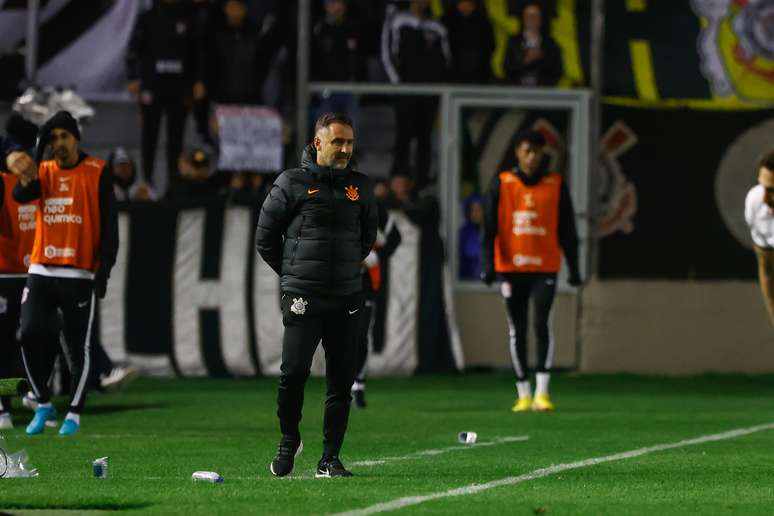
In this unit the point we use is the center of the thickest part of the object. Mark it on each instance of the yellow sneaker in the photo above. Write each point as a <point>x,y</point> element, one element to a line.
<point>542,403</point>
<point>522,405</point>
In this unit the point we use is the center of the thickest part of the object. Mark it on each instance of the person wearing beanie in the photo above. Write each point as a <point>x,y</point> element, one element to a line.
<point>75,247</point>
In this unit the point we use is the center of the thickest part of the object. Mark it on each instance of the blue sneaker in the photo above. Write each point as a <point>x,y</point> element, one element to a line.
<point>38,423</point>
<point>29,401</point>
<point>69,427</point>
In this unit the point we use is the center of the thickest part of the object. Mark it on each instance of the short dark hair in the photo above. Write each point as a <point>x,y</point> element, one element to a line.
<point>531,136</point>
<point>767,160</point>
<point>327,119</point>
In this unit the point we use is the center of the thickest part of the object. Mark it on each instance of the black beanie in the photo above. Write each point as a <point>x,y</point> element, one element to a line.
<point>64,120</point>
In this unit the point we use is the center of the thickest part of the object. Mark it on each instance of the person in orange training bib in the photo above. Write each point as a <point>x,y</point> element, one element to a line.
<point>528,221</point>
<point>75,246</point>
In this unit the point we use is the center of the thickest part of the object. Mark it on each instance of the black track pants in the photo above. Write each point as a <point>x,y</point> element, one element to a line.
<point>40,300</point>
<point>10,352</point>
<point>365,340</point>
<point>309,320</point>
<point>518,289</point>
<point>175,110</point>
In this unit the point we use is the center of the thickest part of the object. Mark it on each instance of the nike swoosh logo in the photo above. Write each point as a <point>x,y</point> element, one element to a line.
<point>81,305</point>
<point>352,312</point>
<point>312,192</point>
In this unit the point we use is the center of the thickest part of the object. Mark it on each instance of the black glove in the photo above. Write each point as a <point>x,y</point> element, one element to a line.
<point>100,284</point>
<point>575,279</point>
<point>488,277</point>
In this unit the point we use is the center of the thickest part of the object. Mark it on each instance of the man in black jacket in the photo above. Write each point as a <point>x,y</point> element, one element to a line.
<point>316,227</point>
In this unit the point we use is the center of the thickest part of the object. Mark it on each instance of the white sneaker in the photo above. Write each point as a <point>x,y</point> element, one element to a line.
<point>5,422</point>
<point>119,377</point>
<point>31,402</point>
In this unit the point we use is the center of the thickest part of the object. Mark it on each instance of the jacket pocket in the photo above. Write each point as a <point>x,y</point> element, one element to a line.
<point>297,241</point>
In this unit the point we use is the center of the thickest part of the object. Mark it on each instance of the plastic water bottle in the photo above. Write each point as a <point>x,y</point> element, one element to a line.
<point>207,476</point>
<point>100,467</point>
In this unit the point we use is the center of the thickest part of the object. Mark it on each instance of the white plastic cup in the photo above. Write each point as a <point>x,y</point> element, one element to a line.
<point>467,437</point>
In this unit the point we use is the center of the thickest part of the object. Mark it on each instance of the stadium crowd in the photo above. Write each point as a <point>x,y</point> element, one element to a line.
<point>188,56</point>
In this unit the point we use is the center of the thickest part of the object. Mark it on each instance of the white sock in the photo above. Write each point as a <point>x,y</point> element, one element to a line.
<point>541,384</point>
<point>525,391</point>
<point>44,405</point>
<point>358,386</point>
<point>74,417</point>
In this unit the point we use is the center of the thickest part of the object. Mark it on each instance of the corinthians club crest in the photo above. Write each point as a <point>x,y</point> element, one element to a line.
<point>736,47</point>
<point>352,193</point>
<point>299,306</point>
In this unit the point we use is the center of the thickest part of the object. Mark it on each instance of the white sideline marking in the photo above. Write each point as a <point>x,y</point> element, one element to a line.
<point>551,470</point>
<point>439,451</point>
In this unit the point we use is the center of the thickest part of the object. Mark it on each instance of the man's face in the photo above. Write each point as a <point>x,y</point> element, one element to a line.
<point>235,11</point>
<point>401,187</point>
<point>334,145</point>
<point>123,170</point>
<point>766,180</point>
<point>421,5</point>
<point>529,157</point>
<point>476,213</point>
<point>532,18</point>
<point>466,7</point>
<point>64,146</point>
<point>336,9</point>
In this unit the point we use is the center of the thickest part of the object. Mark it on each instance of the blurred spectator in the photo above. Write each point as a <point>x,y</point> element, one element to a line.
<point>401,191</point>
<point>381,190</point>
<point>370,15</point>
<point>196,181</point>
<point>126,183</point>
<point>471,40</point>
<point>415,49</point>
<point>470,238</point>
<point>249,187</point>
<point>336,50</point>
<point>424,211</point>
<point>336,56</point>
<point>237,60</point>
<point>164,70</point>
<point>533,57</point>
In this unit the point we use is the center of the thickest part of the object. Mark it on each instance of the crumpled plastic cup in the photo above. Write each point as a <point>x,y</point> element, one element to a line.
<point>467,437</point>
<point>15,465</point>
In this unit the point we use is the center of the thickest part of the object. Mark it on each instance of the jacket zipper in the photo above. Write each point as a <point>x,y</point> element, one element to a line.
<point>330,228</point>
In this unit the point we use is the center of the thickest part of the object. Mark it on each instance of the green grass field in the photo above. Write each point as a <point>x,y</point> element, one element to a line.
<point>159,431</point>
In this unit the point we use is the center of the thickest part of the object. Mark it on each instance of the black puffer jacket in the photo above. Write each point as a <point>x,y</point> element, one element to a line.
<point>316,226</point>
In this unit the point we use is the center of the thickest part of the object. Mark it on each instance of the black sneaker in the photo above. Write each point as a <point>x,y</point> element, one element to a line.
<point>286,454</point>
<point>329,467</point>
<point>358,397</point>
